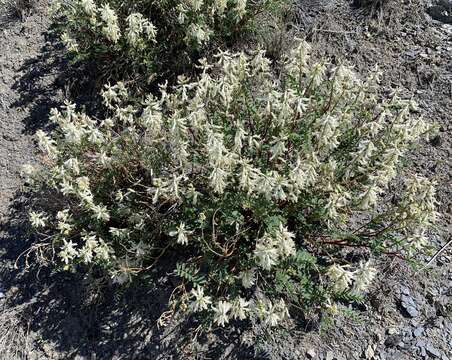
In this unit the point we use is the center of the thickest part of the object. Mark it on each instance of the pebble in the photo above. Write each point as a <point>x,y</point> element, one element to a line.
<point>420,343</point>
<point>418,331</point>
<point>393,340</point>
<point>311,353</point>
<point>409,305</point>
<point>433,351</point>
<point>392,331</point>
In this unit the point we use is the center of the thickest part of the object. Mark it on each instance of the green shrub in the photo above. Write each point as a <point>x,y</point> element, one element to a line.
<point>253,183</point>
<point>147,40</point>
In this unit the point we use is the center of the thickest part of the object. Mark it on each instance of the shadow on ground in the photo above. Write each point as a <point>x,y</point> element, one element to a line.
<point>48,79</point>
<point>81,315</point>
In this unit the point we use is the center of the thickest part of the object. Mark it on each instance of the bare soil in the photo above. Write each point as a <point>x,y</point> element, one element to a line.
<point>46,315</point>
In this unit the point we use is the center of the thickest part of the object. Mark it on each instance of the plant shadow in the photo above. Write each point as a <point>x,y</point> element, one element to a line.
<point>82,317</point>
<point>49,79</point>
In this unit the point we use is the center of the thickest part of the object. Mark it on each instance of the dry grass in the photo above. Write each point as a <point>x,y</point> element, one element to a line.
<point>14,338</point>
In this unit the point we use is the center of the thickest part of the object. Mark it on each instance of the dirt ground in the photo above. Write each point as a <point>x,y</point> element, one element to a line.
<point>46,315</point>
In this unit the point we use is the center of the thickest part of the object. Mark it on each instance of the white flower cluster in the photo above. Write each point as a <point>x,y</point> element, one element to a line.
<point>196,17</point>
<point>269,312</point>
<point>110,26</point>
<point>137,25</point>
<point>271,248</point>
<point>358,281</point>
<point>241,170</point>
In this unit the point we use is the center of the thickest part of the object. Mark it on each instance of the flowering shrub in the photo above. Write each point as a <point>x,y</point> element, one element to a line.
<point>253,184</point>
<point>153,38</point>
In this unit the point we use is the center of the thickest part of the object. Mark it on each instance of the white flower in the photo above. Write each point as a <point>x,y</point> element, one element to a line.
<point>266,253</point>
<point>45,143</point>
<point>369,197</point>
<point>73,165</point>
<point>218,180</point>
<point>418,240</point>
<point>103,251</point>
<point>73,133</point>
<point>89,7</point>
<point>66,187</point>
<point>137,25</point>
<point>38,219</point>
<point>273,316</point>
<point>119,233</point>
<point>181,233</point>
<point>240,8</point>
<point>199,34</point>
<point>68,251</point>
<point>135,22</point>
<point>364,277</point>
<point>63,215</point>
<point>285,243</point>
<point>220,6</point>
<point>70,43</point>
<point>64,227</point>
<point>240,307</point>
<point>111,29</point>
<point>150,30</point>
<point>83,183</point>
<point>221,312</point>
<point>201,301</point>
<point>340,278</point>
<point>100,212</point>
<point>28,171</point>
<point>86,253</point>
<point>195,4</point>
<point>248,278</point>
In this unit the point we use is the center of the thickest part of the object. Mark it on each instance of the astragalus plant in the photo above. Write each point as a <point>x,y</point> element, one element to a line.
<point>151,39</point>
<point>253,184</point>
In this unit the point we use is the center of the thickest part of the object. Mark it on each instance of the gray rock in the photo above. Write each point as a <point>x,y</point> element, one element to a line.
<point>408,304</point>
<point>432,351</point>
<point>311,353</point>
<point>393,340</point>
<point>418,331</point>
<point>404,290</point>
<point>420,343</point>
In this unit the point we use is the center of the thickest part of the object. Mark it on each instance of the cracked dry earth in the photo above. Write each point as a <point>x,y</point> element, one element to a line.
<point>408,315</point>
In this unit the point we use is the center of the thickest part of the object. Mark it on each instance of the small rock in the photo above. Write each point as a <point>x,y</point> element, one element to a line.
<point>392,340</point>
<point>391,331</point>
<point>404,290</point>
<point>433,351</point>
<point>418,331</point>
<point>420,343</point>
<point>409,305</point>
<point>2,295</point>
<point>311,353</point>
<point>444,357</point>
